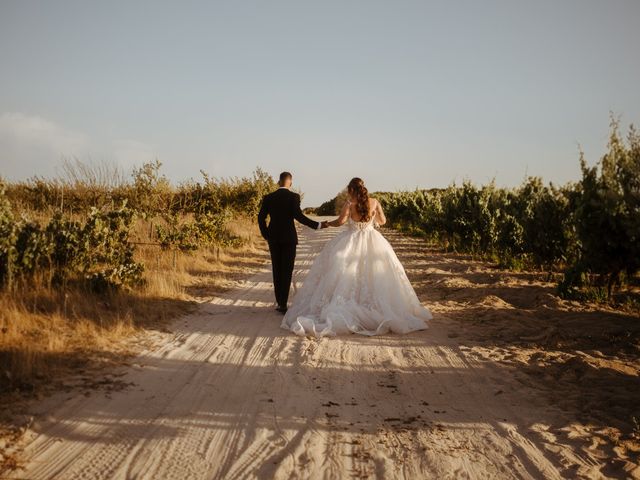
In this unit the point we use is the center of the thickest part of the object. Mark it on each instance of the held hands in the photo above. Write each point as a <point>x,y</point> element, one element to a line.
<point>324,224</point>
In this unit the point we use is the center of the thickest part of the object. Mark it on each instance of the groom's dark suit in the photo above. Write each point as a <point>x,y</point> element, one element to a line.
<point>282,207</point>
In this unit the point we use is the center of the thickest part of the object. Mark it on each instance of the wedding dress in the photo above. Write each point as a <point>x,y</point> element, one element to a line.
<point>356,284</point>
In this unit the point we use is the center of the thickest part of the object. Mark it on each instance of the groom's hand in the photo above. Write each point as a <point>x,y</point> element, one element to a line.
<point>324,224</point>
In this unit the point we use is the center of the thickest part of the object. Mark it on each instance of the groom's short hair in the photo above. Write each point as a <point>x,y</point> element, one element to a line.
<point>284,176</point>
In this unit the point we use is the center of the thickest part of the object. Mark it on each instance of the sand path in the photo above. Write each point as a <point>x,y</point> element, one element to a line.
<point>229,394</point>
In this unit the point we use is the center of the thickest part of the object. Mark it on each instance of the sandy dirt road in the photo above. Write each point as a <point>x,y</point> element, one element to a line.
<point>228,394</point>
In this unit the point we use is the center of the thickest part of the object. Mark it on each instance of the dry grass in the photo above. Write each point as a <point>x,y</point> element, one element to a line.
<point>46,335</point>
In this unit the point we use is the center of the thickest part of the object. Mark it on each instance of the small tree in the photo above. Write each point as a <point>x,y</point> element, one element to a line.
<point>607,215</point>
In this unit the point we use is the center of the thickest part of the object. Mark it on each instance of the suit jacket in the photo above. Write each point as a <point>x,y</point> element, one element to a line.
<point>282,206</point>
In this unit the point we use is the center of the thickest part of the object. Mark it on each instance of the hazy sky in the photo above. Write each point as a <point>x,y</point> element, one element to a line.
<point>401,93</point>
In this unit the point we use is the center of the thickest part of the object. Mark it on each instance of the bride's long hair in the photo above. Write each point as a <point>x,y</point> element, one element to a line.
<point>359,192</point>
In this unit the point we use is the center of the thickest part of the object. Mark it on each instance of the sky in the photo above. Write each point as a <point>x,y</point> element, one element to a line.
<point>402,93</point>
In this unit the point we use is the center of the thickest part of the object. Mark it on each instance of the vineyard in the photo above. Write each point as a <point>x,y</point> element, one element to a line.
<point>588,231</point>
<point>92,255</point>
<point>88,258</point>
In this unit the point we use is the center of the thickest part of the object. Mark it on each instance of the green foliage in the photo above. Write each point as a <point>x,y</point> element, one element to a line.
<point>591,228</point>
<point>8,238</point>
<point>518,226</point>
<point>327,208</point>
<point>212,229</point>
<point>205,230</point>
<point>104,254</point>
<point>240,195</point>
<point>606,206</point>
<point>151,192</point>
<point>333,206</point>
<point>86,237</point>
<point>96,251</point>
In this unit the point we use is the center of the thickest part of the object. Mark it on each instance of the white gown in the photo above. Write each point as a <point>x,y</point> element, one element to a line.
<point>356,284</point>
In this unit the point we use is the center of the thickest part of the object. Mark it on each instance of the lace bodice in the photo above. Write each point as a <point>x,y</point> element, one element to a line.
<point>369,225</point>
<point>357,225</point>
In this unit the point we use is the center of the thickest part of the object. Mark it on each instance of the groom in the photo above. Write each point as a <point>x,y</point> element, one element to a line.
<point>283,206</point>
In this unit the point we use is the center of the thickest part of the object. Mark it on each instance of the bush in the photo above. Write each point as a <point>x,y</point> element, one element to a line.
<point>96,251</point>
<point>606,206</point>
<point>86,237</point>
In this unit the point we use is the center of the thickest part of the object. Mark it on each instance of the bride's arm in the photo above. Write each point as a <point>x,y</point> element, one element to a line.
<point>342,219</point>
<point>380,218</point>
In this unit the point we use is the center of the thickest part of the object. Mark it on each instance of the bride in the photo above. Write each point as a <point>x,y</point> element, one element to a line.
<point>356,283</point>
